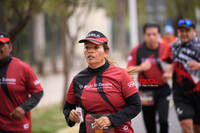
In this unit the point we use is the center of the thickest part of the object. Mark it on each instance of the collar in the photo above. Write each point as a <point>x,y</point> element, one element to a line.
<point>145,45</point>
<point>5,61</point>
<point>100,69</point>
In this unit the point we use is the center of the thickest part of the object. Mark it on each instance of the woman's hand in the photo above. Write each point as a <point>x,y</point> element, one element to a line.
<point>101,123</point>
<point>74,116</point>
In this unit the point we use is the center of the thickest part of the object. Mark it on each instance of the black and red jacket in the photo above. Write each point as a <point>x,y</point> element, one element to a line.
<point>87,89</point>
<point>19,86</point>
<point>184,78</point>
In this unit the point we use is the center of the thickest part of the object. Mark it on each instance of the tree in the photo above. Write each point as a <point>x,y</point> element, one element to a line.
<point>118,11</point>
<point>39,40</point>
<point>181,9</point>
<point>67,9</point>
<point>15,15</point>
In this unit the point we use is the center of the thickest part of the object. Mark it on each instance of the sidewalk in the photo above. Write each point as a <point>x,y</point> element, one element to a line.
<point>53,89</point>
<point>73,129</point>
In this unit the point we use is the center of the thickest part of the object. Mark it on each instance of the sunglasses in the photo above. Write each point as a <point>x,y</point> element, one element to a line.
<point>185,22</point>
<point>1,43</point>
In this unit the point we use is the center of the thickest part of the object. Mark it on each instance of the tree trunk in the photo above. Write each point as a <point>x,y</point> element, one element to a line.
<point>17,28</point>
<point>2,23</point>
<point>39,41</point>
<point>54,51</point>
<point>65,57</point>
<point>121,32</point>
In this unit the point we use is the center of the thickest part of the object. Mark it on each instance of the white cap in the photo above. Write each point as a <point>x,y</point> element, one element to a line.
<point>168,29</point>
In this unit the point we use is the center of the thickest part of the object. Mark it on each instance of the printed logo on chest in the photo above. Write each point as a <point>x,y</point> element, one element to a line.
<point>8,81</point>
<point>95,85</point>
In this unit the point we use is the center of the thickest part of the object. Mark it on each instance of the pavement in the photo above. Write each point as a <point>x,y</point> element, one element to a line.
<point>174,127</point>
<point>53,89</point>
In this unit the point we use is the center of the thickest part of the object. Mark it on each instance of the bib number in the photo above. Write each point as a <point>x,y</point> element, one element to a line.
<point>147,98</point>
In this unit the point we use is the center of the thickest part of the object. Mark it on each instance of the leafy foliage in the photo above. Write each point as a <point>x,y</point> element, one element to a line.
<point>16,14</point>
<point>48,120</point>
<point>178,9</point>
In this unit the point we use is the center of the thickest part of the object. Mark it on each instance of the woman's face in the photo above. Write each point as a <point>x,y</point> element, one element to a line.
<point>95,54</point>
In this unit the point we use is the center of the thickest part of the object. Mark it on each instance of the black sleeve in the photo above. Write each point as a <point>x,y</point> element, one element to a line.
<point>66,111</point>
<point>32,101</point>
<point>132,109</point>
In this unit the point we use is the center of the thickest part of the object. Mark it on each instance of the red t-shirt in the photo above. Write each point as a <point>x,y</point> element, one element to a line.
<point>21,82</point>
<point>116,84</point>
<point>153,76</point>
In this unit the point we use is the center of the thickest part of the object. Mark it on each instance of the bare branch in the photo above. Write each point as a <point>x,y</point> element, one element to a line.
<point>22,22</point>
<point>16,10</point>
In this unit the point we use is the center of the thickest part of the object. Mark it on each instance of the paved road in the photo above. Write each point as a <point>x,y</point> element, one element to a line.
<point>138,124</point>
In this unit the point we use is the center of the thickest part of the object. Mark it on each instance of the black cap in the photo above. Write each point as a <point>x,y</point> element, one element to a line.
<point>95,37</point>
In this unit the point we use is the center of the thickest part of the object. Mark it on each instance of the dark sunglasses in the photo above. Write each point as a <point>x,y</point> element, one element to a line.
<point>185,22</point>
<point>1,43</point>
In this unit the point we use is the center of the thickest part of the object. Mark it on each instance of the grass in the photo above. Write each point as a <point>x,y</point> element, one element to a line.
<point>48,119</point>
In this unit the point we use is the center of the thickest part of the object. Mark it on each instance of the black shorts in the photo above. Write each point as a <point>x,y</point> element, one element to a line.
<point>187,106</point>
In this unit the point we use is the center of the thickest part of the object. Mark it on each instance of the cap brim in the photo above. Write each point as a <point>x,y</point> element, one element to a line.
<point>186,27</point>
<point>4,40</point>
<point>92,41</point>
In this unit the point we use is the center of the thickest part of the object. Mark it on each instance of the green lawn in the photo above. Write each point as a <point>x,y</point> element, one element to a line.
<point>48,119</point>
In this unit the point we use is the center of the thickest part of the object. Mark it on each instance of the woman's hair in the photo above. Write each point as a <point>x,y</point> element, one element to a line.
<point>106,47</point>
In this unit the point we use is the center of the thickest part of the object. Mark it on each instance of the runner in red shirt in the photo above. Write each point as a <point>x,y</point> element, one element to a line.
<point>102,88</point>
<point>185,57</point>
<point>20,91</point>
<point>154,91</point>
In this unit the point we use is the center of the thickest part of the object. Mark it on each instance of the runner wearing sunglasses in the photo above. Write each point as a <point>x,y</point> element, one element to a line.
<point>185,56</point>
<point>20,90</point>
